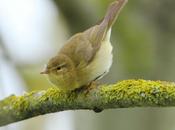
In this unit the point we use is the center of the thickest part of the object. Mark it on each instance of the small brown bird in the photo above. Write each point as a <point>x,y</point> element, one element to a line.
<point>86,56</point>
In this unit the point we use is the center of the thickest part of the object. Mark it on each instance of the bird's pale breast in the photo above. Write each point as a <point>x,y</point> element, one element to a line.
<point>103,59</point>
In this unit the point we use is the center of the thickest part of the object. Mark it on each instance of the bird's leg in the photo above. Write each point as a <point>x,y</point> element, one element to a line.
<point>80,89</point>
<point>87,88</point>
<point>93,84</point>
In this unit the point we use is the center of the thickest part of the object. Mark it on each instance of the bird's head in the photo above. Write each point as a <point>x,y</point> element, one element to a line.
<point>61,72</point>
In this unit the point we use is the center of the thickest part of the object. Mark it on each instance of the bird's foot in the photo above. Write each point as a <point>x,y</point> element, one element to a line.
<point>80,89</point>
<point>87,88</point>
<point>92,85</point>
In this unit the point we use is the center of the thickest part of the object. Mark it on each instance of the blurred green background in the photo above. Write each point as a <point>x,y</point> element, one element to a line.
<point>144,47</point>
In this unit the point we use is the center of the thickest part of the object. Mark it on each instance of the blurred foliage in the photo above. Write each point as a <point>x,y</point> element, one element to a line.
<point>77,14</point>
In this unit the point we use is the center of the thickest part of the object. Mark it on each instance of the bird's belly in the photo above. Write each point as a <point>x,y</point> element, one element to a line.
<point>102,61</point>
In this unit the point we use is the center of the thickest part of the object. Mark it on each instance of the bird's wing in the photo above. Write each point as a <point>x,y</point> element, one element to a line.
<point>82,47</point>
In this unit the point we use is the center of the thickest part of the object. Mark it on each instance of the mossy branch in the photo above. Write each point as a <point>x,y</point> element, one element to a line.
<point>124,94</point>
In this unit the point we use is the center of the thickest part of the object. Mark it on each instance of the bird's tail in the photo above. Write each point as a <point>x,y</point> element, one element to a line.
<point>112,13</point>
<point>98,33</point>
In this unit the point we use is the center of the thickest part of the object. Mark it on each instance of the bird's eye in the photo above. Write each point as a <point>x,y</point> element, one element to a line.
<point>58,68</point>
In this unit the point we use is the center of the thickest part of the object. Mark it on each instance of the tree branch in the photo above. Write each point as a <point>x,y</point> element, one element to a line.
<point>124,94</point>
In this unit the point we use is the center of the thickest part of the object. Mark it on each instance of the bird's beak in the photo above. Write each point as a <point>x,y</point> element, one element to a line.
<point>44,72</point>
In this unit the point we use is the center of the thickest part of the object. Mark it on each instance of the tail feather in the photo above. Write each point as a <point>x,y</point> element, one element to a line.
<point>99,32</point>
<point>113,12</point>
